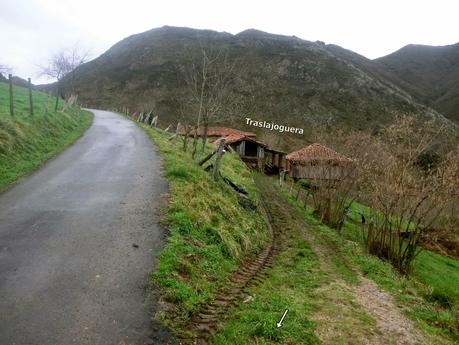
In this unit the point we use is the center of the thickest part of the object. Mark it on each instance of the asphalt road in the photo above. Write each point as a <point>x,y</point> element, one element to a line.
<point>69,269</point>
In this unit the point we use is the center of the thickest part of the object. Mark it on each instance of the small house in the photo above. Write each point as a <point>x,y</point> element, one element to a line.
<point>318,162</point>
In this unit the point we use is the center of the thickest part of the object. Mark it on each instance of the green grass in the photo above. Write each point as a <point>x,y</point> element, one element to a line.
<point>316,295</point>
<point>439,272</point>
<point>209,231</point>
<point>28,141</point>
<point>429,296</point>
<point>289,284</point>
<point>413,295</point>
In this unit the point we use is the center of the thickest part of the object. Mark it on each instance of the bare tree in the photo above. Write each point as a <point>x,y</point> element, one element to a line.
<point>185,106</point>
<point>63,64</point>
<point>405,199</point>
<point>407,175</point>
<point>210,77</point>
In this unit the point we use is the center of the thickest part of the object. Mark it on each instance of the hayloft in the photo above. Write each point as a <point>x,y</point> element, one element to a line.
<point>317,161</point>
<point>255,153</point>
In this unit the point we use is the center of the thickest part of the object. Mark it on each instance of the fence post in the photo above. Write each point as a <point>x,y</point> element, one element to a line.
<point>185,139</point>
<point>10,82</point>
<point>281,177</point>
<point>58,91</point>
<point>260,158</point>
<point>154,121</point>
<point>195,142</point>
<point>218,158</point>
<point>30,97</point>
<point>177,132</point>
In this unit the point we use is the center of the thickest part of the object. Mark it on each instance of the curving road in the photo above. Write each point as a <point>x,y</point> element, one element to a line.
<point>70,268</point>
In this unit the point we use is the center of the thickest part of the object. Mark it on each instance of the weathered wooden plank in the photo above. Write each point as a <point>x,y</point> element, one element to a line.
<point>206,158</point>
<point>218,158</point>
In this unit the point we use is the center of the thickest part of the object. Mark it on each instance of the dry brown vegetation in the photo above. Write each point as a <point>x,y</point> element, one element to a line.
<point>331,196</point>
<point>408,175</point>
<point>406,196</point>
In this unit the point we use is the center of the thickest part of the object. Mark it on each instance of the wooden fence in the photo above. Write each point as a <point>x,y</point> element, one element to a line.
<point>11,95</point>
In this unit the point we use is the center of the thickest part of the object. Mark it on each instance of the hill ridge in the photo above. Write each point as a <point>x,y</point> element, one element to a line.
<point>281,78</point>
<point>429,73</point>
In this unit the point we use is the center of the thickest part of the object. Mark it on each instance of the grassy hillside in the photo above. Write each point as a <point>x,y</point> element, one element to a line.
<point>210,232</point>
<point>327,281</point>
<point>27,141</point>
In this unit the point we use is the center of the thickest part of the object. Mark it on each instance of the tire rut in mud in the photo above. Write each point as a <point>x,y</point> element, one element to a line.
<point>205,323</point>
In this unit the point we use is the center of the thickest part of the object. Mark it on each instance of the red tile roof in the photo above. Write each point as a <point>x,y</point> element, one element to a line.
<point>317,153</point>
<point>219,132</point>
<point>233,138</point>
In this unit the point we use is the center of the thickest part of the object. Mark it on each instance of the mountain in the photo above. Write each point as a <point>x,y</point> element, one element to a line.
<point>18,81</point>
<point>429,73</point>
<point>285,79</point>
<point>21,81</point>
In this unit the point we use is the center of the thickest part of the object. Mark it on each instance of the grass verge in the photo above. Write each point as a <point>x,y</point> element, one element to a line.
<point>26,141</point>
<point>209,230</point>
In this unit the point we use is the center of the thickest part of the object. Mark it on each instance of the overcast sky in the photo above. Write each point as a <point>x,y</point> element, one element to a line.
<point>32,30</point>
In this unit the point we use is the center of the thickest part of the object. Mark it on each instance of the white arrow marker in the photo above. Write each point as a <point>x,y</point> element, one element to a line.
<point>281,321</point>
